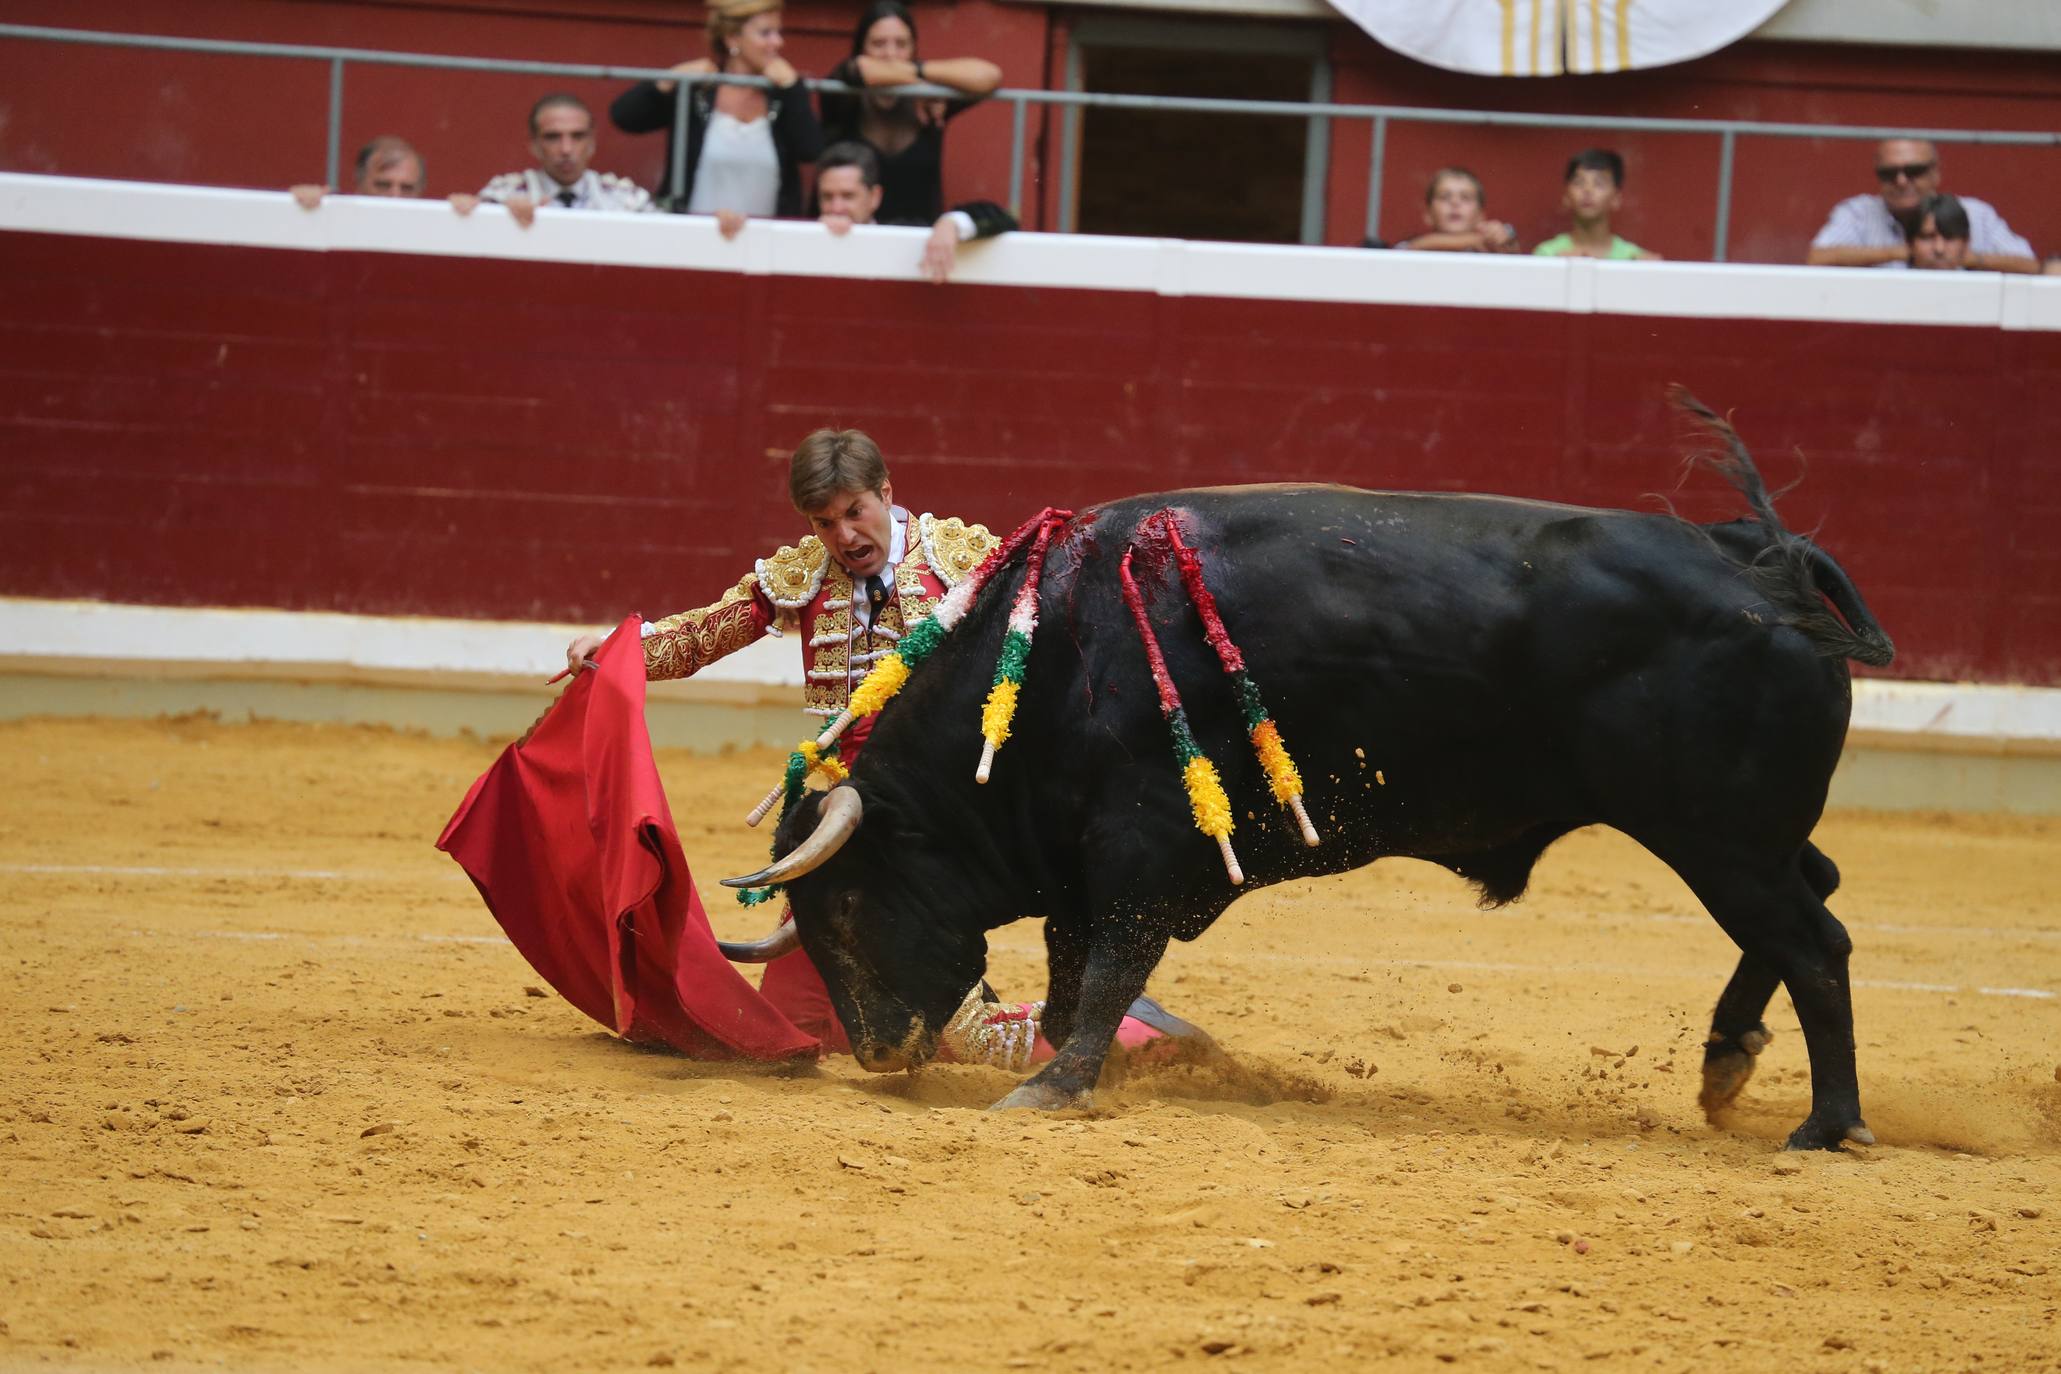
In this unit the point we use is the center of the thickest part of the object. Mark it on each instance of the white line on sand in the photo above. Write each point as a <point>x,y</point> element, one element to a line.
<point>1617,971</point>
<point>1443,965</point>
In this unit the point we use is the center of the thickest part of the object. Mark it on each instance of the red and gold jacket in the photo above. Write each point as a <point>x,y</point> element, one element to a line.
<point>802,589</point>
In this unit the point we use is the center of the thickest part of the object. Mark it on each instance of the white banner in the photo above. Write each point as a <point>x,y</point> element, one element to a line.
<point>1552,37</point>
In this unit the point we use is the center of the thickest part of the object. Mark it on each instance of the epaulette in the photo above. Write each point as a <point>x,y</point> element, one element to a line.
<point>952,547</point>
<point>792,577</point>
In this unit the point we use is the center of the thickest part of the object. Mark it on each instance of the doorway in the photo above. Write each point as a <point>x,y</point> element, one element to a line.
<point>1240,178</point>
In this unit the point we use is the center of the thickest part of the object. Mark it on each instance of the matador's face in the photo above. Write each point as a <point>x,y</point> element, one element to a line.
<point>856,526</point>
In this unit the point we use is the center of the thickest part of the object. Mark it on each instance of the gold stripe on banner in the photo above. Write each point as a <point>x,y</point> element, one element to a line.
<point>1509,37</point>
<point>1624,35</point>
<point>1595,35</point>
<point>1536,6</point>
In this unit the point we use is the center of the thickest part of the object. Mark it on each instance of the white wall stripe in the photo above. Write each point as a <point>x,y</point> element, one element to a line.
<point>370,224</point>
<point>36,633</point>
<point>240,642</point>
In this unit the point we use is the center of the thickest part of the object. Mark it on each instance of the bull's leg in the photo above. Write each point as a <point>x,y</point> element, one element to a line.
<point>1780,922</point>
<point>1738,1032</point>
<point>1066,964</point>
<point>1818,986</point>
<point>1113,973</point>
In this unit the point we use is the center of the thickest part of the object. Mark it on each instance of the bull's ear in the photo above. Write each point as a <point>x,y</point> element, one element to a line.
<point>832,819</point>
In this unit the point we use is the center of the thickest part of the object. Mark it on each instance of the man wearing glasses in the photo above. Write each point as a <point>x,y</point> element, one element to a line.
<point>1875,231</point>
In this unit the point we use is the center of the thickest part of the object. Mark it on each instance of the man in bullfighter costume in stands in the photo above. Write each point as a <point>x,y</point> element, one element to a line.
<point>848,592</point>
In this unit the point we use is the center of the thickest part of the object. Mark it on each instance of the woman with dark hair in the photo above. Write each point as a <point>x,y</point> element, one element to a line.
<point>908,134</point>
<point>745,144</point>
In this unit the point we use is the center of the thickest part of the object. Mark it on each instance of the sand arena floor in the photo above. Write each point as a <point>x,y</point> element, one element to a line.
<point>278,1096</point>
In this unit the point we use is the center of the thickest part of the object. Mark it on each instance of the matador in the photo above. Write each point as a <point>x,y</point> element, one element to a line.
<point>848,592</point>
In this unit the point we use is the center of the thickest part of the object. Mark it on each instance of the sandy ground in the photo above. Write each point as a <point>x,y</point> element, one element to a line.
<point>276,1094</point>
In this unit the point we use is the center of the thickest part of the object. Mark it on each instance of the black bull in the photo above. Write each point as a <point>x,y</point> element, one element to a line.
<point>1511,669</point>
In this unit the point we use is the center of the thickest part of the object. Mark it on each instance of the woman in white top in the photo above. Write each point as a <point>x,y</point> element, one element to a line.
<point>745,144</point>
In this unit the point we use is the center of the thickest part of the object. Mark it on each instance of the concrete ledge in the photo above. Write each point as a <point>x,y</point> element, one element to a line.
<point>1913,745</point>
<point>707,723</point>
<point>31,203</point>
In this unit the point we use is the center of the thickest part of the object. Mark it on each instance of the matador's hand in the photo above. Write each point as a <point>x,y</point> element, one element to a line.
<point>580,653</point>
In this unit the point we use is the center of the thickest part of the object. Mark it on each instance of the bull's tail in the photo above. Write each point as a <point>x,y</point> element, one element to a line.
<point>1789,569</point>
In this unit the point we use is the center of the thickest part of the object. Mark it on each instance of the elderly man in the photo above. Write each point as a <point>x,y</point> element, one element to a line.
<point>1876,231</point>
<point>562,138</point>
<point>387,166</point>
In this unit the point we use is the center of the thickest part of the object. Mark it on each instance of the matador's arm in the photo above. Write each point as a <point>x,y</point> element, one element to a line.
<point>682,645</point>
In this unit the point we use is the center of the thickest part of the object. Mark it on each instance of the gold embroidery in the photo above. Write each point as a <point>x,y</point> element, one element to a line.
<point>824,698</point>
<point>684,644</point>
<point>952,547</point>
<point>983,1032</point>
<point>948,549</point>
<point>792,576</point>
<point>830,662</point>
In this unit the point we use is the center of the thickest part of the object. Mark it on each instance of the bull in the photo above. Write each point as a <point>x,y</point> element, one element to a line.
<point>1512,670</point>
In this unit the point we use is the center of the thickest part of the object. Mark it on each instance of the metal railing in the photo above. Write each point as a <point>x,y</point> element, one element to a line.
<point>1727,131</point>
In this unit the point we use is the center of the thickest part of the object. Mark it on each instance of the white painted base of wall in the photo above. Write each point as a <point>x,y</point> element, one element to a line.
<point>1913,745</point>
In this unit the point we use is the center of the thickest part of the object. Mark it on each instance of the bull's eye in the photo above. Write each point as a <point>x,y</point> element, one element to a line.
<point>847,910</point>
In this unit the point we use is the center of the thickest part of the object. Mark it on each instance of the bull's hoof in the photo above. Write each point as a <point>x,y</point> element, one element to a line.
<point>1723,1079</point>
<point>1814,1134</point>
<point>1041,1097</point>
<point>1727,1065</point>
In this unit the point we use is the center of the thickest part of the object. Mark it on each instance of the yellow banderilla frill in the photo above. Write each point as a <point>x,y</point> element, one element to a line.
<point>829,765</point>
<point>1282,773</point>
<point>1206,795</point>
<point>880,685</point>
<point>995,717</point>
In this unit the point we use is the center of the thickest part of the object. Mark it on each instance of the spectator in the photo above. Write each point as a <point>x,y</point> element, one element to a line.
<point>1940,242</point>
<point>907,134</point>
<point>1874,231</point>
<point>562,137</point>
<point>745,144</point>
<point>848,191</point>
<point>1595,192</point>
<point>1454,212</point>
<point>387,166</point>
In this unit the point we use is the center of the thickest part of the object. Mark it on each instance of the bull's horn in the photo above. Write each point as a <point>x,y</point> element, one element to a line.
<point>842,810</point>
<point>784,940</point>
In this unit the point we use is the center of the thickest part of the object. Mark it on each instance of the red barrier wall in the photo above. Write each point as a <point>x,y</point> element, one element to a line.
<point>195,424</point>
<point>245,122</point>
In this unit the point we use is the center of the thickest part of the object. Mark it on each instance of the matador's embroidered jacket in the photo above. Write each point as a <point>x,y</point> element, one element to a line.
<point>802,588</point>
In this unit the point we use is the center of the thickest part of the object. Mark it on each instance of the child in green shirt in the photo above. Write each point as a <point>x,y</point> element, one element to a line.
<point>1594,192</point>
